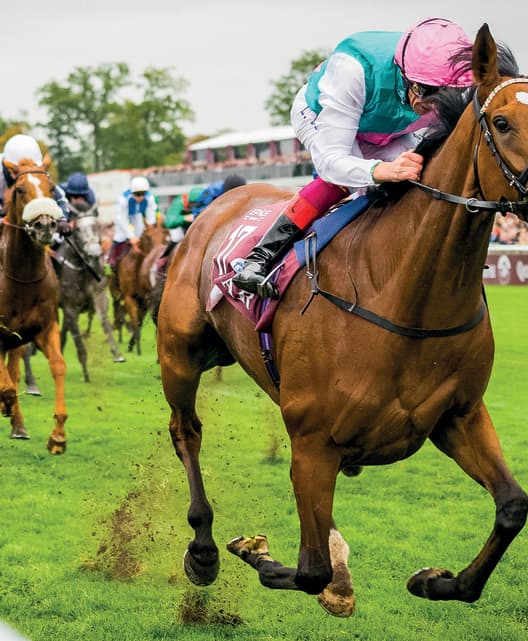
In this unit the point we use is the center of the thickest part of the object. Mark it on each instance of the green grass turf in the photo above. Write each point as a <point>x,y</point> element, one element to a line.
<point>91,543</point>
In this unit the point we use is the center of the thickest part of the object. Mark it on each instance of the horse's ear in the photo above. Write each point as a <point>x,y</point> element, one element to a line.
<point>46,162</point>
<point>484,60</point>
<point>11,167</point>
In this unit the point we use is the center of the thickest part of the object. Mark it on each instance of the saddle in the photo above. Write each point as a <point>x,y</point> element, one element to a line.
<point>246,233</point>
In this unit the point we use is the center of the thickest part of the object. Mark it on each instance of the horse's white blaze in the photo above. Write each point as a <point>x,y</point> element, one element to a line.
<point>34,180</point>
<point>522,96</point>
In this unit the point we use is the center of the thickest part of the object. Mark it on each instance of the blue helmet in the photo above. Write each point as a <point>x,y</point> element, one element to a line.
<point>77,185</point>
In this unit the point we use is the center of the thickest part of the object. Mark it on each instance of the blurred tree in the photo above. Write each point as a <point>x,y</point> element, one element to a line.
<point>79,110</point>
<point>148,132</point>
<point>278,105</point>
<point>93,126</point>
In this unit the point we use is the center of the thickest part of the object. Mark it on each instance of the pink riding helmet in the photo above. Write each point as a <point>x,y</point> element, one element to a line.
<point>423,53</point>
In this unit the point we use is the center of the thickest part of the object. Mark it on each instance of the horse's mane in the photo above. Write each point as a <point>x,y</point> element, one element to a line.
<point>449,104</point>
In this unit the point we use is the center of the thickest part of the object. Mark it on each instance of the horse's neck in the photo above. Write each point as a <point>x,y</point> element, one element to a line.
<point>22,260</point>
<point>439,266</point>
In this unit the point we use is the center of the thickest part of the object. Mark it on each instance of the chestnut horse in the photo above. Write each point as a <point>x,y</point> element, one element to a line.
<point>408,359</point>
<point>130,291</point>
<point>29,292</point>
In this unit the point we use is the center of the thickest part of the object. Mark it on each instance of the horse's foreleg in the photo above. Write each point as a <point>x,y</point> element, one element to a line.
<point>49,343</point>
<point>180,382</point>
<point>338,596</point>
<point>322,567</point>
<point>473,444</point>
<point>101,307</point>
<point>10,404</point>
<point>314,469</point>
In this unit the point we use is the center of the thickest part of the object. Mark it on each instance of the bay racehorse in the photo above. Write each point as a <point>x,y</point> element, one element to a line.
<point>83,283</point>
<point>29,293</point>
<point>405,355</point>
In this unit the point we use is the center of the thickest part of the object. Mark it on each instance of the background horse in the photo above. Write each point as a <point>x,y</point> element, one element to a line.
<point>131,289</point>
<point>82,282</point>
<point>29,293</point>
<point>368,381</point>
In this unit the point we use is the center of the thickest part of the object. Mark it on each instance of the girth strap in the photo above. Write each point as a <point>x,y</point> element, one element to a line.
<point>310,248</point>
<point>411,332</point>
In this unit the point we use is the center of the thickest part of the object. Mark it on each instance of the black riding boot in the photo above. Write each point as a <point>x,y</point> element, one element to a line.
<point>271,247</point>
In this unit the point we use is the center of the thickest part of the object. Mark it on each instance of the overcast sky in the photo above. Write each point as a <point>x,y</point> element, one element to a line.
<point>229,51</point>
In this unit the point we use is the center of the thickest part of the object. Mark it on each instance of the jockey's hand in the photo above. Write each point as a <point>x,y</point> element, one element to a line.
<point>407,166</point>
<point>64,228</point>
<point>134,243</point>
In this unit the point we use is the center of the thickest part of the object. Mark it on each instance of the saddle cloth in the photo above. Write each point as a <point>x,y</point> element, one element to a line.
<point>246,233</point>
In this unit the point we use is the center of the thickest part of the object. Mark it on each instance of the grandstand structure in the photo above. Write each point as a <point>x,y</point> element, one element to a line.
<point>272,155</point>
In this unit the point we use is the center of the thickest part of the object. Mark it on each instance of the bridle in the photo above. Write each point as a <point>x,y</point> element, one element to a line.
<point>30,229</point>
<point>503,205</point>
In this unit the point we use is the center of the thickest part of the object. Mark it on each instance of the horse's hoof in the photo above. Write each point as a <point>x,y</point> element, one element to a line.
<point>243,546</point>
<point>433,583</point>
<point>338,605</point>
<point>20,435</point>
<point>119,359</point>
<point>55,447</point>
<point>33,390</point>
<point>198,574</point>
<point>349,468</point>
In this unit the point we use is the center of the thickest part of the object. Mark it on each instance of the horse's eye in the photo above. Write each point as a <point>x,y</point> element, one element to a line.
<point>501,124</point>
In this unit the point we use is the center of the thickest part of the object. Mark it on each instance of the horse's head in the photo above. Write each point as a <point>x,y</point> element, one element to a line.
<point>29,201</point>
<point>501,105</point>
<point>86,232</point>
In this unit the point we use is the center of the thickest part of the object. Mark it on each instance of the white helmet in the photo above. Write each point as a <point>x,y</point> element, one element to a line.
<point>139,183</point>
<point>22,146</point>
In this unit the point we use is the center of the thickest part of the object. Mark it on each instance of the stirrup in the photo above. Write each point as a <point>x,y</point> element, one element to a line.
<point>268,289</point>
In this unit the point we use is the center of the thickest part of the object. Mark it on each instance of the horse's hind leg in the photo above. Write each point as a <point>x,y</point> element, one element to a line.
<point>180,376</point>
<point>474,445</point>
<point>31,384</point>
<point>101,307</point>
<point>71,322</point>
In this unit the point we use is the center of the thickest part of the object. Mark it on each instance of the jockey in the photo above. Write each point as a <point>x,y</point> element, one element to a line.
<point>23,146</point>
<point>185,208</point>
<point>78,190</point>
<point>360,116</point>
<point>215,189</point>
<point>136,208</point>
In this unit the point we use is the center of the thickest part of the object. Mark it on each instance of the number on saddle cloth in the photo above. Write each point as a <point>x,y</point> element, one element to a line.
<point>244,236</point>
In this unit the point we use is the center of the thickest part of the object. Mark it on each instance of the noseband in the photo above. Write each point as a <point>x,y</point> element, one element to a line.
<point>29,229</point>
<point>474,205</point>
